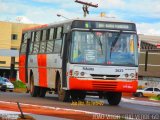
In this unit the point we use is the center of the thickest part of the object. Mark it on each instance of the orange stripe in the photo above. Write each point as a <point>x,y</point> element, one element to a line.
<point>22,73</point>
<point>102,85</point>
<point>42,64</point>
<point>35,27</point>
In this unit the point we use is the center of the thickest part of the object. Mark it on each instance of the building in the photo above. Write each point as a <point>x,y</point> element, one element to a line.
<point>149,60</point>
<point>10,39</point>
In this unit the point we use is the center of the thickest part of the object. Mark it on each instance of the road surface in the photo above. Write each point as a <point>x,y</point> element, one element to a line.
<point>52,101</point>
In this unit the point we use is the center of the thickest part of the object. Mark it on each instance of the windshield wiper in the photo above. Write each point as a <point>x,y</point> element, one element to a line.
<point>114,42</point>
<point>100,43</point>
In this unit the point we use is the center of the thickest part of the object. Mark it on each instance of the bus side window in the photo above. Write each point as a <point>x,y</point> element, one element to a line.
<point>35,47</point>
<point>59,33</point>
<point>31,48</point>
<point>44,34</point>
<point>23,48</point>
<point>31,44</point>
<point>33,36</point>
<point>47,34</point>
<point>57,46</point>
<point>24,43</point>
<point>42,47</point>
<point>50,46</point>
<point>36,42</point>
<point>51,34</point>
<point>43,42</point>
<point>38,36</point>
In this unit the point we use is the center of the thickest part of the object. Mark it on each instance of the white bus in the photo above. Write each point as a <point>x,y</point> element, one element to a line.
<point>79,56</point>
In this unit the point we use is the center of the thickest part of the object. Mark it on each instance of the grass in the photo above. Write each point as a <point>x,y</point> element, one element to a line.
<point>156,98</point>
<point>18,84</point>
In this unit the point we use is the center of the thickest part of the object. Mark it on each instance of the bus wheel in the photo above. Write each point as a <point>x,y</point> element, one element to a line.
<point>33,89</point>
<point>101,95</point>
<point>78,95</point>
<point>114,98</point>
<point>74,95</point>
<point>42,92</point>
<point>63,95</point>
<point>82,95</point>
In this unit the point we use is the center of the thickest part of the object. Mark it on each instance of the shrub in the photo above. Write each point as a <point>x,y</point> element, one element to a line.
<point>156,98</point>
<point>19,84</point>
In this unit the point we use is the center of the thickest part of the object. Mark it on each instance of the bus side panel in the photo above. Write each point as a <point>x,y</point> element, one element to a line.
<point>52,69</point>
<point>33,66</point>
<point>42,69</point>
<point>22,72</point>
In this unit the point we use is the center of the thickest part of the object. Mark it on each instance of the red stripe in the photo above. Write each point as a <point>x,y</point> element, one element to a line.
<point>108,85</point>
<point>42,64</point>
<point>22,73</point>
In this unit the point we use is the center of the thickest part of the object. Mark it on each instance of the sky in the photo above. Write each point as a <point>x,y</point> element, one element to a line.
<point>145,13</point>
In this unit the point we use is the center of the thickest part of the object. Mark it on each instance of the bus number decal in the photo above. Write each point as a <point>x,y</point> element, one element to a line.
<point>118,70</point>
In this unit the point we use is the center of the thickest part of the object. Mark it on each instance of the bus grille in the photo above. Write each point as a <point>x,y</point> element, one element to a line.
<point>108,86</point>
<point>104,76</point>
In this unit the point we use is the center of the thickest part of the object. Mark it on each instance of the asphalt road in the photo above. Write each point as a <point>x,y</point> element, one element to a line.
<point>52,100</point>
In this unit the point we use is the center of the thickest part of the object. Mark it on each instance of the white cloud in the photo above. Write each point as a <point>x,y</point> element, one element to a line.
<point>68,8</point>
<point>149,28</point>
<point>23,19</point>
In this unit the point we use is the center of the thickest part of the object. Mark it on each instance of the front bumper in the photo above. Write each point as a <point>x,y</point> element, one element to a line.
<point>103,85</point>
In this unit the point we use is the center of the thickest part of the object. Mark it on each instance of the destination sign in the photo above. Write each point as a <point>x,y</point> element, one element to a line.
<point>104,25</point>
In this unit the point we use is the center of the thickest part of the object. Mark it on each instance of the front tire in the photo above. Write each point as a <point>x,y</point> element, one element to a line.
<point>114,98</point>
<point>63,95</point>
<point>78,95</point>
<point>42,92</point>
<point>34,90</point>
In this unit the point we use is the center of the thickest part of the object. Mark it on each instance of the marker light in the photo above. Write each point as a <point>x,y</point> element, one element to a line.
<point>132,75</point>
<point>76,73</point>
<point>82,73</point>
<point>126,75</point>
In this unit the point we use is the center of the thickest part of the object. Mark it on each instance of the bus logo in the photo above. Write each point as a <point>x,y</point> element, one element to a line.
<point>88,68</point>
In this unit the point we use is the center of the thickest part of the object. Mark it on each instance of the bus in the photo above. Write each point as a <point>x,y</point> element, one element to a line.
<point>75,57</point>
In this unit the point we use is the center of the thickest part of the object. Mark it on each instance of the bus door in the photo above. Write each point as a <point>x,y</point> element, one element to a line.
<point>23,59</point>
<point>64,56</point>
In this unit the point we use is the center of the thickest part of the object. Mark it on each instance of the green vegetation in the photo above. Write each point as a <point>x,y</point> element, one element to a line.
<point>156,98</point>
<point>19,84</point>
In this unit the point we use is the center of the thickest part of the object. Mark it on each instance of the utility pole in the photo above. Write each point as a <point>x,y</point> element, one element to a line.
<point>85,6</point>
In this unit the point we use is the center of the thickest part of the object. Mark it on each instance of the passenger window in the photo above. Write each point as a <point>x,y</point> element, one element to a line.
<point>57,46</point>
<point>36,48</point>
<point>33,34</point>
<point>31,48</point>
<point>47,34</point>
<point>23,48</point>
<point>59,33</point>
<point>38,36</point>
<point>50,45</point>
<point>44,35</point>
<point>25,36</point>
<point>42,47</point>
<point>51,34</point>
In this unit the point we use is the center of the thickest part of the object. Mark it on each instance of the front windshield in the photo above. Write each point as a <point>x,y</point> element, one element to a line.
<point>114,48</point>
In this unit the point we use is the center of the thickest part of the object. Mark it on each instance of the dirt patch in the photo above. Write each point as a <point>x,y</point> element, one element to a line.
<point>20,90</point>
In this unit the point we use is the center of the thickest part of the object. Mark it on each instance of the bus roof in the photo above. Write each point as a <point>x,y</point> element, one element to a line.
<point>100,19</point>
